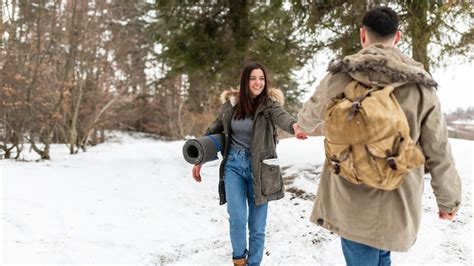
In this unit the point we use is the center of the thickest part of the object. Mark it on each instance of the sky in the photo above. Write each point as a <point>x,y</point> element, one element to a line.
<point>456,85</point>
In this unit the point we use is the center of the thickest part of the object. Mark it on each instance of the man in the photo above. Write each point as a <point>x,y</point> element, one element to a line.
<point>371,221</point>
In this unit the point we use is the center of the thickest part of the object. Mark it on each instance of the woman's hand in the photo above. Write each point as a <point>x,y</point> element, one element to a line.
<point>299,134</point>
<point>197,172</point>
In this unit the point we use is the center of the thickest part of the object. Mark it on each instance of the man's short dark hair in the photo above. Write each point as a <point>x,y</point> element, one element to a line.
<point>381,22</point>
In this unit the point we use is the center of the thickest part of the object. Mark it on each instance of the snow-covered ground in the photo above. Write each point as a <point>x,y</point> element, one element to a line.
<point>133,200</point>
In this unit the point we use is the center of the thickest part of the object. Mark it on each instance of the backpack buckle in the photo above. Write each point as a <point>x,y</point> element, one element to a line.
<point>335,165</point>
<point>355,107</point>
<point>391,162</point>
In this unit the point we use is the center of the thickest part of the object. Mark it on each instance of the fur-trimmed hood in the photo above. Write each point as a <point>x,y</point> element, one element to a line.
<point>232,95</point>
<point>382,65</point>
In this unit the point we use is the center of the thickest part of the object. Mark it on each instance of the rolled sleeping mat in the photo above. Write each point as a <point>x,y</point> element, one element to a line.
<point>204,149</point>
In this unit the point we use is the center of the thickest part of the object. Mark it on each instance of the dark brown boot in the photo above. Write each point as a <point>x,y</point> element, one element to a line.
<point>240,262</point>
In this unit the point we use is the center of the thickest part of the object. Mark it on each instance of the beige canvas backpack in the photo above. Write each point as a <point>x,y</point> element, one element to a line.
<point>368,137</point>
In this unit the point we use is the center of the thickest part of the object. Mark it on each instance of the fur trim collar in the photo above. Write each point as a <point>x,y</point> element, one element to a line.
<point>232,95</point>
<point>382,65</point>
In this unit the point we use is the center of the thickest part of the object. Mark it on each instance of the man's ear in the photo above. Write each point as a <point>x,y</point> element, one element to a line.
<point>398,37</point>
<point>363,37</point>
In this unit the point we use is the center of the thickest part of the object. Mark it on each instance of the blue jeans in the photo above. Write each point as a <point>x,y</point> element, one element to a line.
<point>358,254</point>
<point>239,192</point>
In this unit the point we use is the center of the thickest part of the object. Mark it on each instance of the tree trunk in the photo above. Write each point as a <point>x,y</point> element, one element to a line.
<point>180,120</point>
<point>44,154</point>
<point>6,150</point>
<point>102,135</point>
<point>94,138</point>
<point>418,30</point>
<point>1,22</point>
<point>73,130</point>
<point>196,93</point>
<point>18,151</point>
<point>89,130</point>
<point>241,32</point>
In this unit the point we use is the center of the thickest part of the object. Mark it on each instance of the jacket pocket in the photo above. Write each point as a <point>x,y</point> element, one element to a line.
<point>270,174</point>
<point>339,157</point>
<point>388,164</point>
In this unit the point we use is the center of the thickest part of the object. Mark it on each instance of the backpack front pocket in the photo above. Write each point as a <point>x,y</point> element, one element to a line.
<point>387,161</point>
<point>339,157</point>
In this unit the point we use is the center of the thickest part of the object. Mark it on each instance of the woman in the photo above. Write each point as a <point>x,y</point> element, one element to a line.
<point>249,172</point>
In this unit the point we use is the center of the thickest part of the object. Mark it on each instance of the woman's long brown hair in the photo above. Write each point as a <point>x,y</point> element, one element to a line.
<point>246,106</point>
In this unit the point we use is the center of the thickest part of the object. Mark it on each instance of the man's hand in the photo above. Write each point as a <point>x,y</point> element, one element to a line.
<point>446,215</point>
<point>299,134</point>
<point>197,172</point>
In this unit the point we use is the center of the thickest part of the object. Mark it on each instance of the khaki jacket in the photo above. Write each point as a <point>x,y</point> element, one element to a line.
<point>387,220</point>
<point>267,180</point>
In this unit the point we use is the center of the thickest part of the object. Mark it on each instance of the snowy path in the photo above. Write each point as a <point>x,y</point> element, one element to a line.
<point>134,202</point>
